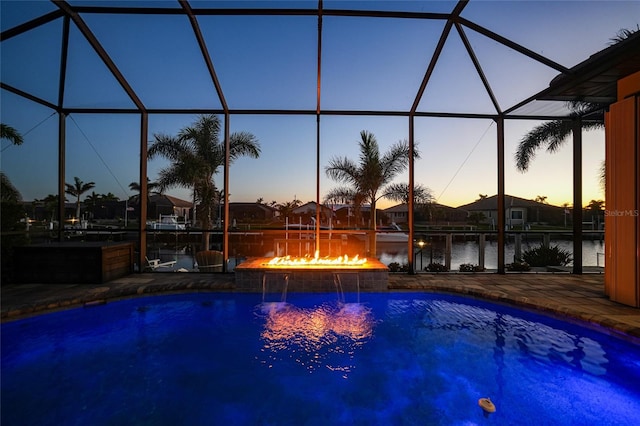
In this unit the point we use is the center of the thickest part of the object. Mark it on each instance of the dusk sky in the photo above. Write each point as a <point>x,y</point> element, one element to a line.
<point>270,63</point>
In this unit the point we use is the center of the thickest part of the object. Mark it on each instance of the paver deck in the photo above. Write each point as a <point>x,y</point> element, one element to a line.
<point>569,296</point>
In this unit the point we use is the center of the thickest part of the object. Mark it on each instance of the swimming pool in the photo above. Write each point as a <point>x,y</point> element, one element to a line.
<point>394,358</point>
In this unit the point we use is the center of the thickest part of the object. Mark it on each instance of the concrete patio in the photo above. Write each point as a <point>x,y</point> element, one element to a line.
<point>569,296</point>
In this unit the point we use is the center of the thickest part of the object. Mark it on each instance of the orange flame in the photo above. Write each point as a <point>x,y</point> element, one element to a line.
<point>308,261</point>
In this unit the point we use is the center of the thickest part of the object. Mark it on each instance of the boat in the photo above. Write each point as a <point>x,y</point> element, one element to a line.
<point>391,234</point>
<point>167,223</point>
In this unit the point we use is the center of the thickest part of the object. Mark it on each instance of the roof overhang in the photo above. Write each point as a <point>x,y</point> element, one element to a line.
<point>595,79</point>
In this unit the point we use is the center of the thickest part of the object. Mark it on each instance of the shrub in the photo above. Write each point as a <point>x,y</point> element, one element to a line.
<point>518,266</point>
<point>470,267</point>
<point>546,255</point>
<point>396,267</point>
<point>436,267</point>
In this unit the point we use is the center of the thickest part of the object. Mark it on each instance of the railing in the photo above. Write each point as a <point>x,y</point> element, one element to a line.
<point>516,240</point>
<point>441,246</point>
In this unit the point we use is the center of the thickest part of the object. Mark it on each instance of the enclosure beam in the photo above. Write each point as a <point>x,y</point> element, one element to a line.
<point>411,200</point>
<point>577,195</point>
<point>205,53</point>
<point>501,203</point>
<point>144,191</point>
<point>318,97</point>
<point>225,221</point>
<point>102,53</point>
<point>62,134</point>
<point>63,61</point>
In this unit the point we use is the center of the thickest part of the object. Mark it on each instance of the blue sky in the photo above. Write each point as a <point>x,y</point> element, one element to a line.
<point>270,62</point>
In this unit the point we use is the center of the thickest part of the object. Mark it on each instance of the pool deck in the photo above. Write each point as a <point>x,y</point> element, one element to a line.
<point>568,296</point>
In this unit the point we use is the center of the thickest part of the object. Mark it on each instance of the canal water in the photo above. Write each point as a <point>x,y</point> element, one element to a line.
<point>462,252</point>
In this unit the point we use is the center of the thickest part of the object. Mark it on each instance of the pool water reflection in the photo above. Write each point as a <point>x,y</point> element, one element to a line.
<point>394,358</point>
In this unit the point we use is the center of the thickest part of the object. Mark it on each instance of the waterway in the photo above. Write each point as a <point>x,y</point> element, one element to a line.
<point>462,252</point>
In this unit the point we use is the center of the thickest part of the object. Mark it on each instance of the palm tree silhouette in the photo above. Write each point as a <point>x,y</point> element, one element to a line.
<point>372,174</point>
<point>554,134</point>
<point>8,192</point>
<point>11,134</point>
<point>196,153</point>
<point>77,189</point>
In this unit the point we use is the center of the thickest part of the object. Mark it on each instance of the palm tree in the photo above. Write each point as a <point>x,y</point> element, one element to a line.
<point>109,196</point>
<point>92,201</point>
<point>347,195</point>
<point>400,192</point>
<point>11,134</point>
<point>152,187</point>
<point>8,192</point>
<point>555,133</point>
<point>374,172</point>
<point>424,202</point>
<point>287,208</point>
<point>50,204</point>
<point>77,189</point>
<point>196,153</point>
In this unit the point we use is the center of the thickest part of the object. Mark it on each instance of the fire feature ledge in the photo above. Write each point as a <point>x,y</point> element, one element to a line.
<point>372,276</point>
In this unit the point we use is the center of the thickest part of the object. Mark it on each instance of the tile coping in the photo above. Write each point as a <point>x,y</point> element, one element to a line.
<point>570,297</point>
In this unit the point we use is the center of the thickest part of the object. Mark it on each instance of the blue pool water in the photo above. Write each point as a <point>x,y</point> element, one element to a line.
<point>392,359</point>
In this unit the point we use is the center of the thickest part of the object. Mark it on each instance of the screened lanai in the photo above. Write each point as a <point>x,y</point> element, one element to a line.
<point>92,85</point>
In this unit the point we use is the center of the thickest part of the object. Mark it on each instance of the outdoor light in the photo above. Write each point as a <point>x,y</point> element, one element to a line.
<point>421,244</point>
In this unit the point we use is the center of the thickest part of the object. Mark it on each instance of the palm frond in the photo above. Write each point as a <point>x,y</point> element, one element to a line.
<point>340,195</point>
<point>399,192</point>
<point>551,133</point>
<point>11,134</point>
<point>166,146</point>
<point>8,192</point>
<point>369,148</point>
<point>243,144</point>
<point>396,160</point>
<point>342,170</point>
<point>624,34</point>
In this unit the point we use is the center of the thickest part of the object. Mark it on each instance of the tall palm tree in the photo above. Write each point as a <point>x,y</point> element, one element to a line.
<point>11,134</point>
<point>554,134</point>
<point>196,154</point>
<point>77,189</point>
<point>373,173</point>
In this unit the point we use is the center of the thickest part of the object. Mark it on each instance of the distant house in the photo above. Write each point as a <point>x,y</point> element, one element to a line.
<point>251,212</point>
<point>431,213</point>
<point>306,214</point>
<point>398,213</point>
<point>519,212</point>
<point>161,204</point>
<point>166,204</point>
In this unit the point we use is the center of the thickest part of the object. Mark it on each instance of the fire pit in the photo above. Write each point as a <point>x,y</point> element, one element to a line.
<point>312,274</point>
